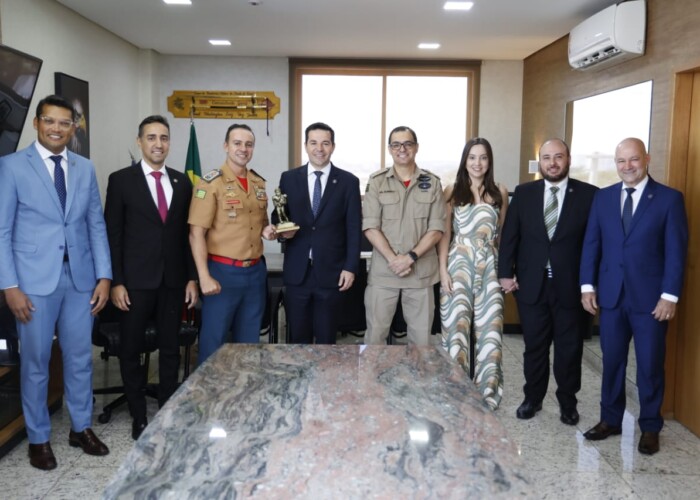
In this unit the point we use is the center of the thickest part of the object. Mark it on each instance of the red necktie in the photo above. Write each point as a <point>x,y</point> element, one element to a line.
<point>162,202</point>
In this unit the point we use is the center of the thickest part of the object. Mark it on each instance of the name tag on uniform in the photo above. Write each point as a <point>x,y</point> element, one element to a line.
<point>233,202</point>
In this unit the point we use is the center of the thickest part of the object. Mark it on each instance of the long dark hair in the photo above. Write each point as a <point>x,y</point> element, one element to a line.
<point>462,193</point>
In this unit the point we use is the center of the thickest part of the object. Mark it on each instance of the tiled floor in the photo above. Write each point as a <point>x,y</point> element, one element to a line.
<point>562,463</point>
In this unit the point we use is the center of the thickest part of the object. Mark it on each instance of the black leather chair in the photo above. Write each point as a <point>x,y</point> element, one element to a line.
<point>9,346</point>
<point>105,334</point>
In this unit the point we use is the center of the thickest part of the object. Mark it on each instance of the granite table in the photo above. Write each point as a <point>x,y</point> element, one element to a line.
<point>293,421</point>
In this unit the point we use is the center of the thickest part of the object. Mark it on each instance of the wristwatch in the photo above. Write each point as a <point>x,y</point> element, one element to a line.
<point>412,255</point>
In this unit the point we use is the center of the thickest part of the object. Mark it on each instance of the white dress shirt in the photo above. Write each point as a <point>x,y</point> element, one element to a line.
<point>164,180</point>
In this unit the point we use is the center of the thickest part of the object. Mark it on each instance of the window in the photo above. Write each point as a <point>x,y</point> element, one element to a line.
<point>598,123</point>
<point>363,103</point>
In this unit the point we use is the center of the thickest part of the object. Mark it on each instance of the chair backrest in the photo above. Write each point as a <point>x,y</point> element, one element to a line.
<point>106,334</point>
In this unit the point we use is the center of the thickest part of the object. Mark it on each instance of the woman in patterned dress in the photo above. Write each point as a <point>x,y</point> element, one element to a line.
<point>471,302</point>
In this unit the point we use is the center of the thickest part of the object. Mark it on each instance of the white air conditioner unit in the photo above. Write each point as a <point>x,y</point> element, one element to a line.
<point>611,36</point>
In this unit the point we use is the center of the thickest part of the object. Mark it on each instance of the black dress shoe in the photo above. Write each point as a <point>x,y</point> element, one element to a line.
<point>41,456</point>
<point>601,431</point>
<point>649,443</point>
<point>137,427</point>
<point>528,409</point>
<point>569,416</point>
<point>88,442</point>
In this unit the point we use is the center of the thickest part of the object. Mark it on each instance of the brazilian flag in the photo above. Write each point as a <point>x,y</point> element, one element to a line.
<point>193,167</point>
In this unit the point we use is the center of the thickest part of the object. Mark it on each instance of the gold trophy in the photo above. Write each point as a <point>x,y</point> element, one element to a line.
<point>279,200</point>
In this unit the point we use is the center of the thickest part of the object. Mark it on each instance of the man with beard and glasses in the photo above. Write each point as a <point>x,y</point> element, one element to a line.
<point>539,258</point>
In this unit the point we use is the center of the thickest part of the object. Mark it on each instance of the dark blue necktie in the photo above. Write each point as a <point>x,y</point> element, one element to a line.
<point>627,211</point>
<point>59,180</point>
<point>316,200</point>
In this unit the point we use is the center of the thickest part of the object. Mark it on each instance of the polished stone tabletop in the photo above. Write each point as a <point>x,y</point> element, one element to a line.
<point>284,421</point>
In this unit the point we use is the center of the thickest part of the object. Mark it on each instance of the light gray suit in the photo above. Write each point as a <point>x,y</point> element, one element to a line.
<point>35,238</point>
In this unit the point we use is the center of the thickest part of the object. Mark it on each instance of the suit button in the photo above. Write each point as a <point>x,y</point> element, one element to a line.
<point>313,228</point>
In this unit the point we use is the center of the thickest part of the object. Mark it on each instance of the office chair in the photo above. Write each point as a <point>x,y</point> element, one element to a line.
<point>105,334</point>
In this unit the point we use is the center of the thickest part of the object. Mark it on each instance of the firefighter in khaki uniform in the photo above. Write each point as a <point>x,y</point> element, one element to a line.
<point>228,215</point>
<point>404,217</point>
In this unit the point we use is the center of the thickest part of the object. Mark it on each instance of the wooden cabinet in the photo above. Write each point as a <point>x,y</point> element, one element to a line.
<point>12,429</point>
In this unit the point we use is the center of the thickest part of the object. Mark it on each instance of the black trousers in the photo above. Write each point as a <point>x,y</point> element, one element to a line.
<point>545,323</point>
<point>163,307</point>
<point>313,312</point>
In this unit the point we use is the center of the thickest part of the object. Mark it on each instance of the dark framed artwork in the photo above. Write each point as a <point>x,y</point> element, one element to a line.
<point>76,91</point>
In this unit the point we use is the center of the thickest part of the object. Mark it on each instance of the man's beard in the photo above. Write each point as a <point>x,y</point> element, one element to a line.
<point>557,178</point>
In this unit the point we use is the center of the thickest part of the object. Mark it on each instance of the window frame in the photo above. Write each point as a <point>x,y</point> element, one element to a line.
<point>377,67</point>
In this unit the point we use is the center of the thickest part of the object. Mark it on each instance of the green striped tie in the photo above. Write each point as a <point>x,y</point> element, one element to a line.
<point>551,211</point>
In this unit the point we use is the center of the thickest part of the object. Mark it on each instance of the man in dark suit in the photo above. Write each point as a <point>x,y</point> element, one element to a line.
<point>55,272</point>
<point>632,267</point>
<point>321,259</point>
<point>146,214</point>
<point>540,252</point>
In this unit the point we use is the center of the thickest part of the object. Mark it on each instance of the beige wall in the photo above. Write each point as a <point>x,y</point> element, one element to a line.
<point>673,38</point>
<point>500,111</point>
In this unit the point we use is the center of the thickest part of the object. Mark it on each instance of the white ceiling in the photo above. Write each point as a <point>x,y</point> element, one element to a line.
<point>493,29</point>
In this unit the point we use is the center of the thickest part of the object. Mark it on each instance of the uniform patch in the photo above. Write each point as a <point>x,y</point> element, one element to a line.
<point>424,185</point>
<point>423,178</point>
<point>210,176</point>
<point>201,193</point>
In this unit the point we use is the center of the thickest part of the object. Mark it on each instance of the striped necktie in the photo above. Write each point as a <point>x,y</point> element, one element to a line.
<point>551,211</point>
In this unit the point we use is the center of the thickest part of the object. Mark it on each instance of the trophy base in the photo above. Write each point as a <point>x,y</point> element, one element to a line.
<point>283,227</point>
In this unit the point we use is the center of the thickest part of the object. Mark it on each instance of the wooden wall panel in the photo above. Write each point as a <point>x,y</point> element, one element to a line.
<point>673,31</point>
<point>686,397</point>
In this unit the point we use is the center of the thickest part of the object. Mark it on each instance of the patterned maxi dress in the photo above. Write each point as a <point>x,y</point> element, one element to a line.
<point>476,303</point>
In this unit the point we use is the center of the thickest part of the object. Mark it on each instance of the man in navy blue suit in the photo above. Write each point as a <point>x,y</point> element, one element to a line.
<point>632,267</point>
<point>321,259</point>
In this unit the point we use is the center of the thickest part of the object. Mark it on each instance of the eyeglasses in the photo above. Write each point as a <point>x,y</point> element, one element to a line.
<point>396,146</point>
<point>50,122</point>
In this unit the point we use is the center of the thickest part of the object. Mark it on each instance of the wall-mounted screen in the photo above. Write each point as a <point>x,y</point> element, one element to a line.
<point>19,73</point>
<point>596,124</point>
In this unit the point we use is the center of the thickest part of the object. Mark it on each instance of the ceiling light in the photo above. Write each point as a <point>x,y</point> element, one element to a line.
<point>178,2</point>
<point>458,5</point>
<point>429,46</point>
<point>220,42</point>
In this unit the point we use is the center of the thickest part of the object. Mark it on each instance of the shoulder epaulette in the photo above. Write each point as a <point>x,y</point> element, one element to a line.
<point>428,172</point>
<point>257,174</point>
<point>211,175</point>
<point>380,172</point>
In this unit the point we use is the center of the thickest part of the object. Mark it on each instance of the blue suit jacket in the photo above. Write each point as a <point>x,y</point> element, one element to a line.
<point>34,231</point>
<point>335,233</point>
<point>649,261</point>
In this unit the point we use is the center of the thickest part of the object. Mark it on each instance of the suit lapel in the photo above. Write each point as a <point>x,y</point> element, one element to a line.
<point>178,193</point>
<point>73,180</point>
<point>331,185</point>
<point>644,202</point>
<point>538,204</point>
<point>566,209</point>
<point>39,168</point>
<point>303,187</point>
<point>140,184</point>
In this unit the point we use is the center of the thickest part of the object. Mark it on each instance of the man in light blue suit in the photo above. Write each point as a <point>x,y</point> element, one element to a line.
<point>55,272</point>
<point>632,267</point>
